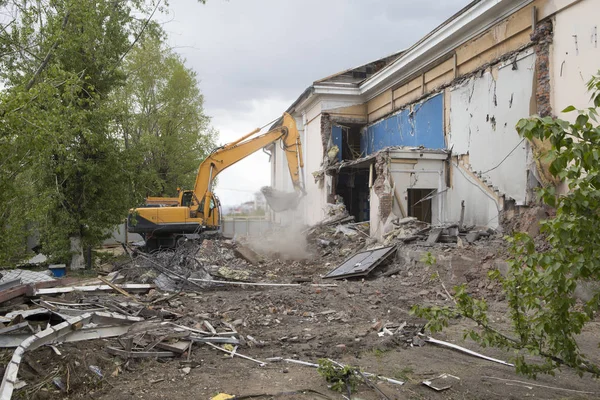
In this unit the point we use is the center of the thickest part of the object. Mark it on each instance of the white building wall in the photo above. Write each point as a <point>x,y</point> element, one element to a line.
<point>311,208</point>
<point>575,55</point>
<point>483,115</point>
<point>481,207</point>
<point>316,199</point>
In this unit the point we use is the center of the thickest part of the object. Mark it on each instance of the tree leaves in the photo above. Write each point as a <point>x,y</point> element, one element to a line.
<point>541,282</point>
<point>67,169</point>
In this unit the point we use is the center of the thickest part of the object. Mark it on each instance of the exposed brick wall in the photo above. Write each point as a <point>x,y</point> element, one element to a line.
<point>381,185</point>
<point>325,133</point>
<point>542,37</point>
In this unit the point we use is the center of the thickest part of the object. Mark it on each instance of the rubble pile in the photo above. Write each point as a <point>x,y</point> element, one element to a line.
<point>158,318</point>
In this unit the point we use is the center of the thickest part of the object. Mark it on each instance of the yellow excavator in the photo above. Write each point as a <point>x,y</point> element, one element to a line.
<point>165,221</point>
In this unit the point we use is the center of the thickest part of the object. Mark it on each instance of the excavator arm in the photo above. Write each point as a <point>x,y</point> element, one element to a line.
<point>163,221</point>
<point>231,153</point>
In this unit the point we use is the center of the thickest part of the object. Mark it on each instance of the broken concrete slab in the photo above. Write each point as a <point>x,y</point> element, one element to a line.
<point>247,254</point>
<point>434,235</point>
<point>472,237</point>
<point>442,382</point>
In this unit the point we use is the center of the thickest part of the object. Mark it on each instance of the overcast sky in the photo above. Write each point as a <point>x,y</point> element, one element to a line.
<point>255,57</point>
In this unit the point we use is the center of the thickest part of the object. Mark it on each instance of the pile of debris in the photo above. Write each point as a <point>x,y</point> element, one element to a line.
<point>410,229</point>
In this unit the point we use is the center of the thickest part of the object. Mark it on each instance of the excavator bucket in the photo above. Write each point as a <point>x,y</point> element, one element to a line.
<point>280,201</point>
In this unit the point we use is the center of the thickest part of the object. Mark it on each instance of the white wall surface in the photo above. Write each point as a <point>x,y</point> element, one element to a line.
<point>316,199</point>
<point>484,112</point>
<point>575,55</point>
<point>310,210</point>
<point>480,206</point>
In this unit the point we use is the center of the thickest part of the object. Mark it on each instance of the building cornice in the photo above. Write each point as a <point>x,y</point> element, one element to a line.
<point>461,28</point>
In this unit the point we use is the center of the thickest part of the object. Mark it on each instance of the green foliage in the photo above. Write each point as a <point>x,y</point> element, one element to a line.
<point>161,120</point>
<point>428,259</point>
<point>66,170</point>
<point>540,285</point>
<point>342,379</point>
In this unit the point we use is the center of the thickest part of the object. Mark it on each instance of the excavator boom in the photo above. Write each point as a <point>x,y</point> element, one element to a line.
<point>198,210</point>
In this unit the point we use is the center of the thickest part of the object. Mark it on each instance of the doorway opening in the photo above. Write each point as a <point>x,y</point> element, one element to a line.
<point>419,204</point>
<point>352,184</point>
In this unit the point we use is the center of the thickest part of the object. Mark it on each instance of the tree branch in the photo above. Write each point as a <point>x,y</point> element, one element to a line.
<point>46,59</point>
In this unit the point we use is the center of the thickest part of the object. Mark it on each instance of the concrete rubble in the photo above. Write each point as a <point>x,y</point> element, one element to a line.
<point>251,302</point>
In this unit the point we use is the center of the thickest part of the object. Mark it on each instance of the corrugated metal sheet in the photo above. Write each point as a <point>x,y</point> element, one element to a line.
<point>245,227</point>
<point>420,125</point>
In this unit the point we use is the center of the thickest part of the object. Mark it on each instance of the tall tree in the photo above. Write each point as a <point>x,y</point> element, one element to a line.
<point>62,165</point>
<point>162,121</point>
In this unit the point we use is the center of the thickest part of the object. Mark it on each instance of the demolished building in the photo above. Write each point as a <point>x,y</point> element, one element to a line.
<point>430,132</point>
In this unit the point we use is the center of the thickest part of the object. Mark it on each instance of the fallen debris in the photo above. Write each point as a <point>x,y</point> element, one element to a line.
<point>442,382</point>
<point>361,263</point>
<point>130,287</point>
<point>138,354</point>
<point>261,283</point>
<point>25,276</point>
<point>464,350</point>
<point>531,384</point>
<point>370,375</point>
<point>48,336</point>
<point>247,254</point>
<point>261,363</point>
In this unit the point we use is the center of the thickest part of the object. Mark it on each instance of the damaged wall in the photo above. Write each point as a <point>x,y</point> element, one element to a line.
<point>575,56</point>
<point>484,112</point>
<point>420,124</point>
<point>402,170</point>
<point>482,206</point>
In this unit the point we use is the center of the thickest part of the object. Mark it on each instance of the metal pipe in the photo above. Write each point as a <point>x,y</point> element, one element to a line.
<point>242,138</point>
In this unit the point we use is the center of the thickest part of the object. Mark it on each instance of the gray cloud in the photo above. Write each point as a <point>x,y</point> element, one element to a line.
<point>247,49</point>
<point>255,57</point>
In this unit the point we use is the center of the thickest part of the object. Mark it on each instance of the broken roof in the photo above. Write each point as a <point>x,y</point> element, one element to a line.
<point>466,24</point>
<point>358,74</point>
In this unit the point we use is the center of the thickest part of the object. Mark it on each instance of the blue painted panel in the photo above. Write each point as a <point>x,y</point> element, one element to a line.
<point>336,138</point>
<point>424,126</point>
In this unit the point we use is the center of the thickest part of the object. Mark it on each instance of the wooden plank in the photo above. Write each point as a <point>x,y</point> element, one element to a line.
<point>118,289</point>
<point>132,287</point>
<point>176,347</point>
<point>214,339</point>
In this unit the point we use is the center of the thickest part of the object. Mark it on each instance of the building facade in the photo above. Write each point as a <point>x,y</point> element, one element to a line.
<point>430,131</point>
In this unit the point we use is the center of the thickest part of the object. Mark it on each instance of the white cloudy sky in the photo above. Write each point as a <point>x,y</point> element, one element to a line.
<point>255,57</point>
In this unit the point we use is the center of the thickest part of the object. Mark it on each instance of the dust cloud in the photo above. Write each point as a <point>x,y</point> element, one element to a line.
<point>287,241</point>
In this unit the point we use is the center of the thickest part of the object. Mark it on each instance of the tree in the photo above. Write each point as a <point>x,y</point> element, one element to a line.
<point>541,282</point>
<point>62,166</point>
<point>161,120</point>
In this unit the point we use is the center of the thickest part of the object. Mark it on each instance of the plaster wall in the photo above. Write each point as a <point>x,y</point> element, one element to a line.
<point>483,113</point>
<point>481,208</point>
<point>575,55</point>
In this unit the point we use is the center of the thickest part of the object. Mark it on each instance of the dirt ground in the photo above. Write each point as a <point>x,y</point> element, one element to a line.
<point>309,323</point>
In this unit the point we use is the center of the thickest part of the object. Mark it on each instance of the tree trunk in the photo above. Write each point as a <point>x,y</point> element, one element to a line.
<point>77,258</point>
